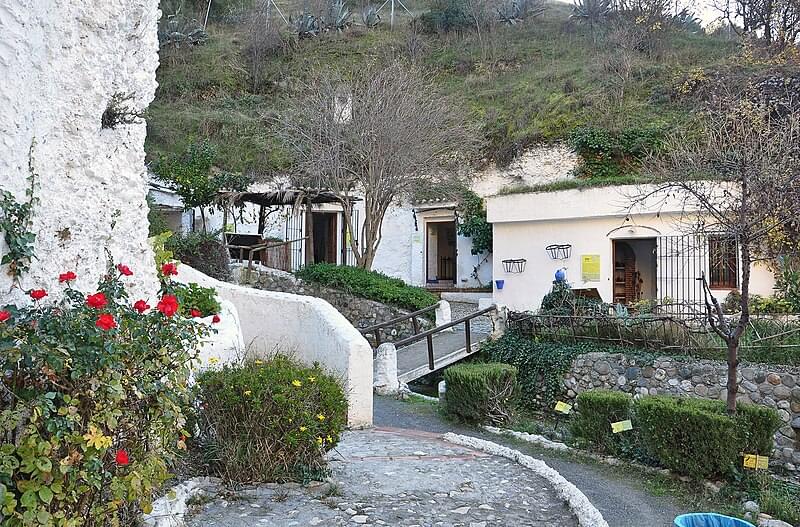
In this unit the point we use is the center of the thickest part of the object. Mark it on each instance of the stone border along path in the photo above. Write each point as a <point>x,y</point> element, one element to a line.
<point>398,477</point>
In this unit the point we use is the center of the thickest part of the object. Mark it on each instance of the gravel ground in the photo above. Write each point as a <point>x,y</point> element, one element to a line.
<point>399,478</point>
<point>619,494</point>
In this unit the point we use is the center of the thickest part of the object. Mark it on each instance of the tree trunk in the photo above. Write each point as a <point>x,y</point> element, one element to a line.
<point>732,384</point>
<point>203,217</point>
<point>309,234</point>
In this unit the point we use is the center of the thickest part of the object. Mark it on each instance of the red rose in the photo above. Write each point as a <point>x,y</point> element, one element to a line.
<point>124,270</point>
<point>141,306</point>
<point>97,301</point>
<point>69,276</point>
<point>106,322</point>
<point>38,294</point>
<point>195,313</point>
<point>122,458</point>
<point>169,269</point>
<point>216,319</point>
<point>168,305</point>
<point>4,315</point>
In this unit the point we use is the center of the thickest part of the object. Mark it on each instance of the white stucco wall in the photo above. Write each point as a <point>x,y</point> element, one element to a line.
<point>305,327</point>
<point>524,224</point>
<point>396,254</point>
<point>60,64</point>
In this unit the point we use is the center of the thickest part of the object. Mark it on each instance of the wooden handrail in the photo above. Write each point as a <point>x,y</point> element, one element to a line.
<point>437,329</point>
<point>397,320</point>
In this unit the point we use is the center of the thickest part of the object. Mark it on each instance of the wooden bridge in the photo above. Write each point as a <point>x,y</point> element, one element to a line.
<point>427,351</point>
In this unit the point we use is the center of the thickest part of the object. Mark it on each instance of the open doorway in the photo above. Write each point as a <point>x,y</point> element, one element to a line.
<point>324,237</point>
<point>634,270</point>
<point>441,252</point>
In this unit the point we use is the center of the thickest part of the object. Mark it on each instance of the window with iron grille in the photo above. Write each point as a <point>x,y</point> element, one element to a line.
<point>723,262</point>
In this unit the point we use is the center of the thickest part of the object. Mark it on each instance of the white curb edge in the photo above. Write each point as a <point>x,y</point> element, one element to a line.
<point>529,438</point>
<point>587,514</point>
<point>170,509</point>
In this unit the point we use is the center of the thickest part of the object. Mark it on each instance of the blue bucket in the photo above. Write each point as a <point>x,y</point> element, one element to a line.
<point>500,283</point>
<point>709,519</point>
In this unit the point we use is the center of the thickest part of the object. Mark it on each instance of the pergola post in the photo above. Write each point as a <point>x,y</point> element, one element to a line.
<point>309,234</point>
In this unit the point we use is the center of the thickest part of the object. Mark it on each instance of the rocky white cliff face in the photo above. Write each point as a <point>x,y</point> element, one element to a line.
<point>61,63</point>
<point>539,165</point>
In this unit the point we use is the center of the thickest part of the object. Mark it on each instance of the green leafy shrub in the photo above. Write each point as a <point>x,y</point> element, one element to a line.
<point>541,365</point>
<point>193,297</point>
<point>608,155</point>
<point>368,284</point>
<point>697,438</point>
<point>202,250</point>
<point>597,409</point>
<point>472,223</point>
<point>91,412</point>
<point>270,420</point>
<point>481,392</point>
<point>446,16</point>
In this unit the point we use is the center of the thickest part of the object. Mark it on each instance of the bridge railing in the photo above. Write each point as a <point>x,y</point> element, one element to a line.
<point>414,317</point>
<point>428,334</point>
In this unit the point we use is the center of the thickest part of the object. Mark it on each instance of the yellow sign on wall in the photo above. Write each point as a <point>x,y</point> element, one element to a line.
<point>590,267</point>
<point>756,462</point>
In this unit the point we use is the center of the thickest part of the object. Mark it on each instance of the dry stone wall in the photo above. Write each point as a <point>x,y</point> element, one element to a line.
<point>61,65</point>
<point>768,385</point>
<point>362,313</point>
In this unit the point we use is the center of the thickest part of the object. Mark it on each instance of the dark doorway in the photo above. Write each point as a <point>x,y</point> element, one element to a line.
<point>441,252</point>
<point>634,270</point>
<point>324,237</point>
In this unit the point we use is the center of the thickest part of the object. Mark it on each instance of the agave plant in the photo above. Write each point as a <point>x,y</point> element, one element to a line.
<point>338,16</point>
<point>306,25</point>
<point>370,16</point>
<point>176,30</point>
<point>509,13</point>
<point>591,11</point>
<point>687,21</point>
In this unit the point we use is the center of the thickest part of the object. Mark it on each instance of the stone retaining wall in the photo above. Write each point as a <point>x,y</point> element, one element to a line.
<point>768,385</point>
<point>362,313</point>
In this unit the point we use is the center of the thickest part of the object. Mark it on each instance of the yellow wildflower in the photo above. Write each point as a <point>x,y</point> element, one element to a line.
<point>296,383</point>
<point>312,379</point>
<point>329,439</point>
<point>319,441</point>
<point>320,417</point>
<point>213,360</point>
<point>291,420</point>
<point>257,361</point>
<point>248,392</point>
<point>95,438</point>
<point>303,428</point>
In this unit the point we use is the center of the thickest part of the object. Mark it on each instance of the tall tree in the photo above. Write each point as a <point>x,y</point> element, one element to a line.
<point>383,134</point>
<point>739,177</point>
<point>776,21</point>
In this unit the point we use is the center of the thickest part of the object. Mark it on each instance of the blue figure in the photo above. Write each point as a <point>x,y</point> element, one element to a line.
<point>561,275</point>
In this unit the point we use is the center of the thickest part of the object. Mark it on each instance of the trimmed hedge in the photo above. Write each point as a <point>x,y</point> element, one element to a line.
<point>481,392</point>
<point>369,284</point>
<point>697,438</point>
<point>597,409</point>
<point>270,420</point>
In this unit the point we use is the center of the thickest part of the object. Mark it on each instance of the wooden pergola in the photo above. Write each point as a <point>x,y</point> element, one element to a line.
<point>292,197</point>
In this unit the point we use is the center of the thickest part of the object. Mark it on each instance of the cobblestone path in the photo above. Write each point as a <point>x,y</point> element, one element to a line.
<point>399,478</point>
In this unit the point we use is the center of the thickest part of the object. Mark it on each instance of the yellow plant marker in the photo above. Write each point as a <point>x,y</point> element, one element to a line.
<point>756,462</point>
<point>564,408</point>
<point>621,426</point>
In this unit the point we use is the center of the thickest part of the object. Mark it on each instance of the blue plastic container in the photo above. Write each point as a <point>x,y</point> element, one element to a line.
<point>500,283</point>
<point>709,519</point>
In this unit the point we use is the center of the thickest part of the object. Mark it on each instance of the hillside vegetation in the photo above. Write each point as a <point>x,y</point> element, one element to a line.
<point>543,79</point>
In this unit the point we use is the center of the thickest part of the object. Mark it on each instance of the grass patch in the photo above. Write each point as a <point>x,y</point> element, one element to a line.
<point>371,285</point>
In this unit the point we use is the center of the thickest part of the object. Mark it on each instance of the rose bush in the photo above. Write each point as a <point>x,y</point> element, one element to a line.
<point>91,401</point>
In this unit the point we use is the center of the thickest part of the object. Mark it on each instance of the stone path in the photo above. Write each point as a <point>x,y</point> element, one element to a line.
<point>399,478</point>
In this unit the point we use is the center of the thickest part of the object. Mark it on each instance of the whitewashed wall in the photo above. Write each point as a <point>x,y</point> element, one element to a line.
<point>305,327</point>
<point>60,65</point>
<point>524,224</point>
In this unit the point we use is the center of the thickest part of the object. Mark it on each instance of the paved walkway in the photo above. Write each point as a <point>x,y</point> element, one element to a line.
<point>399,478</point>
<point>620,495</point>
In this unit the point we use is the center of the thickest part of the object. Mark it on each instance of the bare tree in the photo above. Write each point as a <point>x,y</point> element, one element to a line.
<point>385,133</point>
<point>739,177</point>
<point>776,21</point>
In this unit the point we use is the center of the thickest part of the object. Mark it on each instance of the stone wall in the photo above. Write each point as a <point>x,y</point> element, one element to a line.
<point>768,385</point>
<point>61,65</point>
<point>362,313</point>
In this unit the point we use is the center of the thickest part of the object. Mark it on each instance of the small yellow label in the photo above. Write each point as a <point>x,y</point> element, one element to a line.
<point>756,462</point>
<point>621,426</point>
<point>564,408</point>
